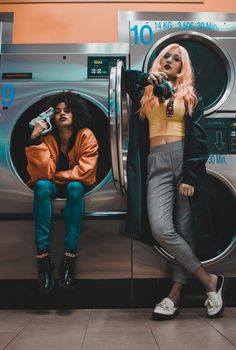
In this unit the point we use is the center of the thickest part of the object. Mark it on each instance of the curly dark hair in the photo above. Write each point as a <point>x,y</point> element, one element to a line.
<point>78,106</point>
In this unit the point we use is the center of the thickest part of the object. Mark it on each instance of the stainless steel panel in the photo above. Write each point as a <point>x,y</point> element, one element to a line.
<point>125,17</point>
<point>52,63</point>
<point>150,263</point>
<point>103,252</point>
<point>63,49</point>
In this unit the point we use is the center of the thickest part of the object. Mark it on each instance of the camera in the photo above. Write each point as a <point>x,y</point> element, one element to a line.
<point>165,89</point>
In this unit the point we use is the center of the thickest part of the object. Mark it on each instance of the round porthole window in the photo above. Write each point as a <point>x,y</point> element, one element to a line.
<point>21,134</point>
<point>216,239</point>
<point>212,66</point>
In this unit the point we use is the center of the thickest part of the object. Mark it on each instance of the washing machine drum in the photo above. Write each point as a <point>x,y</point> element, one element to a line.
<point>212,67</point>
<point>21,135</point>
<point>214,225</point>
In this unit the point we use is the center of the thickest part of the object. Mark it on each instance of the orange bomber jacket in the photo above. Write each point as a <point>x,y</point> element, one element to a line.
<point>42,160</point>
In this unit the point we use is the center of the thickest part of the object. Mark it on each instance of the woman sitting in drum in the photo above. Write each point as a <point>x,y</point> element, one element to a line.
<point>62,163</point>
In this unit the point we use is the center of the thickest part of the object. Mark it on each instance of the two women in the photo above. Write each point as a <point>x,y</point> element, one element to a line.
<point>175,171</point>
<point>61,164</point>
<point>65,161</point>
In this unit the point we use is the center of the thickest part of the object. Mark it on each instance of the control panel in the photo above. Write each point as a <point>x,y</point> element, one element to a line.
<point>221,135</point>
<point>99,66</point>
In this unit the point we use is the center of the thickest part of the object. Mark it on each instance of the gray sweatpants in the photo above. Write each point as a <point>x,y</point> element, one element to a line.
<point>169,211</point>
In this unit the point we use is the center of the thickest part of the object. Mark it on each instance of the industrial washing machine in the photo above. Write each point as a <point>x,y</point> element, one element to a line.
<point>211,42</point>
<point>29,75</point>
<point>32,73</point>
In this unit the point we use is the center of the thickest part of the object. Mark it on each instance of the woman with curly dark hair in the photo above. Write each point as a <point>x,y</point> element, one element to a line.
<point>61,164</point>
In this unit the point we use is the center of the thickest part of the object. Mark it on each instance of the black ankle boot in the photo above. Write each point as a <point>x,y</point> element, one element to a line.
<point>67,280</point>
<point>45,265</point>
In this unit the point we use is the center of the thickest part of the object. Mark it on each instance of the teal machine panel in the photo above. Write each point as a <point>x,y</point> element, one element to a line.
<point>221,135</point>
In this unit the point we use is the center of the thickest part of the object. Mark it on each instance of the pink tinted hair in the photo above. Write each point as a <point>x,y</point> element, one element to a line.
<point>184,89</point>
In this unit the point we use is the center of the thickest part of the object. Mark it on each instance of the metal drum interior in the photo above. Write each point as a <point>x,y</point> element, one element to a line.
<point>21,134</point>
<point>216,240</point>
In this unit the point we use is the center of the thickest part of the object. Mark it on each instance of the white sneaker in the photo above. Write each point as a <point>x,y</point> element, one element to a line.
<point>215,302</point>
<point>165,310</point>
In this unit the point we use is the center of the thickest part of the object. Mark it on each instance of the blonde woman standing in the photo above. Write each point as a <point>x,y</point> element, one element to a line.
<point>175,170</point>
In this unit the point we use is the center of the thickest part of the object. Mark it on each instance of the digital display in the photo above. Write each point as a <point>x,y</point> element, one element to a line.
<point>14,76</point>
<point>216,123</point>
<point>99,66</point>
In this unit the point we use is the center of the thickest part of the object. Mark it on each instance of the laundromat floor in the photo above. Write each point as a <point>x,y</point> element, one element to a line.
<point>117,329</point>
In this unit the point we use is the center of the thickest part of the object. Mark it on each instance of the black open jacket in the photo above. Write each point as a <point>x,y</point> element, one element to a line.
<point>194,171</point>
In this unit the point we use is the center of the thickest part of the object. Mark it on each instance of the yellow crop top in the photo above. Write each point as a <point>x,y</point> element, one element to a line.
<point>161,125</point>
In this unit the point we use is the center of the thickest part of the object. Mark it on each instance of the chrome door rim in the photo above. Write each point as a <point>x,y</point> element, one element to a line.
<point>213,44</point>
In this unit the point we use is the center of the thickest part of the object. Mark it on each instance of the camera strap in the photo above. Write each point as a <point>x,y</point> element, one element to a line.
<point>170,107</point>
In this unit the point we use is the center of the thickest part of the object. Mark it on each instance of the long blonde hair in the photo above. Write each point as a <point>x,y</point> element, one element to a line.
<point>184,89</point>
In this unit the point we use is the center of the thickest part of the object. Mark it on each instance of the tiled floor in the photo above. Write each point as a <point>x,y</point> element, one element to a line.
<point>115,330</point>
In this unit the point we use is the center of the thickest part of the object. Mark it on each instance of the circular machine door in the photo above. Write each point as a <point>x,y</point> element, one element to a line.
<point>119,118</point>
<point>216,239</point>
<point>100,127</point>
<point>213,68</point>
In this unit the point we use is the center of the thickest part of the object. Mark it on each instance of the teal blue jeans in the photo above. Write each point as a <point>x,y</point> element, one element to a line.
<point>44,192</point>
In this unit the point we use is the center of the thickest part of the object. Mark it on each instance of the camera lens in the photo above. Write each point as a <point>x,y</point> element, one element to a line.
<point>163,90</point>
<point>159,90</point>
